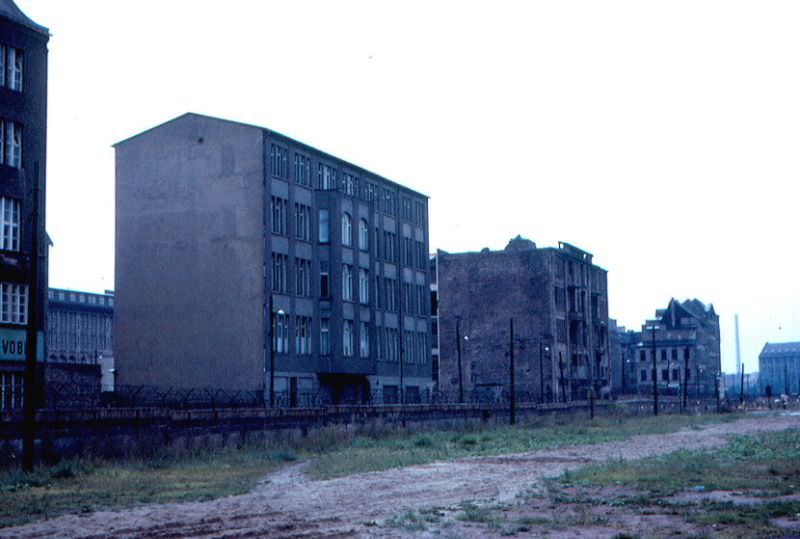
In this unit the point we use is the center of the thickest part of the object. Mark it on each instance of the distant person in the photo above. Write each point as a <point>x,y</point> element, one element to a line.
<point>768,391</point>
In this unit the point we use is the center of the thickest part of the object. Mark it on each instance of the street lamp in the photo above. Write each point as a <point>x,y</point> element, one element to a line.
<point>272,352</point>
<point>542,349</point>
<point>653,329</point>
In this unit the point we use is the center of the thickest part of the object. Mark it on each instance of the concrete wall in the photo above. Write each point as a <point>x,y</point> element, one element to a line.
<point>189,255</point>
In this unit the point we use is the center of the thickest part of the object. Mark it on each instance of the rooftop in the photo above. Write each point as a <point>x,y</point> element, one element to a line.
<point>780,349</point>
<point>9,10</point>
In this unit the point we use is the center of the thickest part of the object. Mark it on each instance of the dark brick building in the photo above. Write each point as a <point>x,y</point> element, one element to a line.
<point>23,129</point>
<point>623,350</point>
<point>559,303</point>
<point>685,339</point>
<point>779,367</point>
<point>216,221</point>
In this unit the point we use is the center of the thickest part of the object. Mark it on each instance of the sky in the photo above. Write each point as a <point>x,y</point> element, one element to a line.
<point>663,137</point>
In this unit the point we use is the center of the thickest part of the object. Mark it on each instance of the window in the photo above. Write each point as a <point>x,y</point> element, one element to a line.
<point>280,333</point>
<point>10,143</point>
<point>363,235</point>
<point>14,79</point>
<point>280,263</point>
<point>561,330</point>
<point>324,228</point>
<point>389,239</point>
<point>302,277</point>
<point>347,338</point>
<point>368,191</point>
<point>13,303</point>
<point>363,339</point>
<point>405,208</point>
<point>326,178</point>
<point>2,65</point>
<point>419,213</point>
<point>665,375</point>
<point>675,374</point>
<point>279,209</point>
<point>642,355</point>
<point>349,184</point>
<point>279,161</point>
<point>674,353</point>
<point>11,390</point>
<point>643,375</point>
<point>664,354</point>
<point>347,230</point>
<point>388,202</point>
<point>302,335</point>
<point>685,353</point>
<point>408,303</point>
<point>405,254</point>
<point>363,286</point>
<point>325,336</point>
<point>391,294</point>
<point>302,169</point>
<point>422,296</point>
<point>324,280</point>
<point>302,222</point>
<point>347,282</point>
<point>9,221</point>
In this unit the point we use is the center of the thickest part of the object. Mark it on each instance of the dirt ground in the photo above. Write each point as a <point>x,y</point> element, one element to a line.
<point>289,505</point>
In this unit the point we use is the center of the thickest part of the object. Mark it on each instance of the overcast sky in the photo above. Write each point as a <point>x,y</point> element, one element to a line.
<point>664,137</point>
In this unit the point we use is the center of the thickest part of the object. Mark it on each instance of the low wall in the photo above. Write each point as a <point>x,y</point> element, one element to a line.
<point>128,432</point>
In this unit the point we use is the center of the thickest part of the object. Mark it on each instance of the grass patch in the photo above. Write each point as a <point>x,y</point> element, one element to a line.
<point>768,463</point>
<point>89,485</point>
<point>369,454</point>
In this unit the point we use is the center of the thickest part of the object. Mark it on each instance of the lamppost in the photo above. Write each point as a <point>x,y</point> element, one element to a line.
<point>458,352</point>
<point>542,349</point>
<point>653,329</point>
<point>272,348</point>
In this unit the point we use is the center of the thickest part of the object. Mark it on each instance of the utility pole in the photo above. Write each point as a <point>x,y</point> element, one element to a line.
<point>271,347</point>
<point>29,395</point>
<point>458,352</point>
<point>741,385</point>
<point>541,372</point>
<point>512,402</point>
<point>655,370</point>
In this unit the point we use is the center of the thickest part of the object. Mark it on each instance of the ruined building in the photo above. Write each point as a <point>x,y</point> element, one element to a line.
<point>558,301</point>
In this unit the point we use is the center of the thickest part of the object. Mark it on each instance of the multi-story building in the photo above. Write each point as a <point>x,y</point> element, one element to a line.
<point>779,367</point>
<point>623,350</point>
<point>23,247</point>
<point>80,360</point>
<point>685,340</point>
<point>246,260</point>
<point>558,301</point>
<point>79,326</point>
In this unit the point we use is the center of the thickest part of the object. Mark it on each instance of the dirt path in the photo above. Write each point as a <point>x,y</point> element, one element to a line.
<point>288,505</point>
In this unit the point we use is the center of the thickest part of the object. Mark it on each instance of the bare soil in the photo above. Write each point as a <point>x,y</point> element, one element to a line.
<point>289,505</point>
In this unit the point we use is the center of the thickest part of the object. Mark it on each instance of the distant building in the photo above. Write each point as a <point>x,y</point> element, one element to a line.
<point>23,134</point>
<point>79,326</point>
<point>80,360</point>
<point>623,347</point>
<point>558,300</point>
<point>685,339</point>
<point>217,221</point>
<point>779,366</point>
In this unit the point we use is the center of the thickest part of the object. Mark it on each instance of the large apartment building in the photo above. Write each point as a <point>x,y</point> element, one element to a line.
<point>248,261</point>
<point>23,249</point>
<point>558,301</point>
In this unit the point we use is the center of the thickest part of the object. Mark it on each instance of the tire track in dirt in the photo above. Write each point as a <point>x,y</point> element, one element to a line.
<point>287,505</point>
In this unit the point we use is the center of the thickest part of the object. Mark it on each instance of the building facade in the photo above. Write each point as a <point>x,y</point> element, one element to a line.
<point>685,340</point>
<point>623,350</point>
<point>558,301</point>
<point>246,260</point>
<point>23,249</point>
<point>779,367</point>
